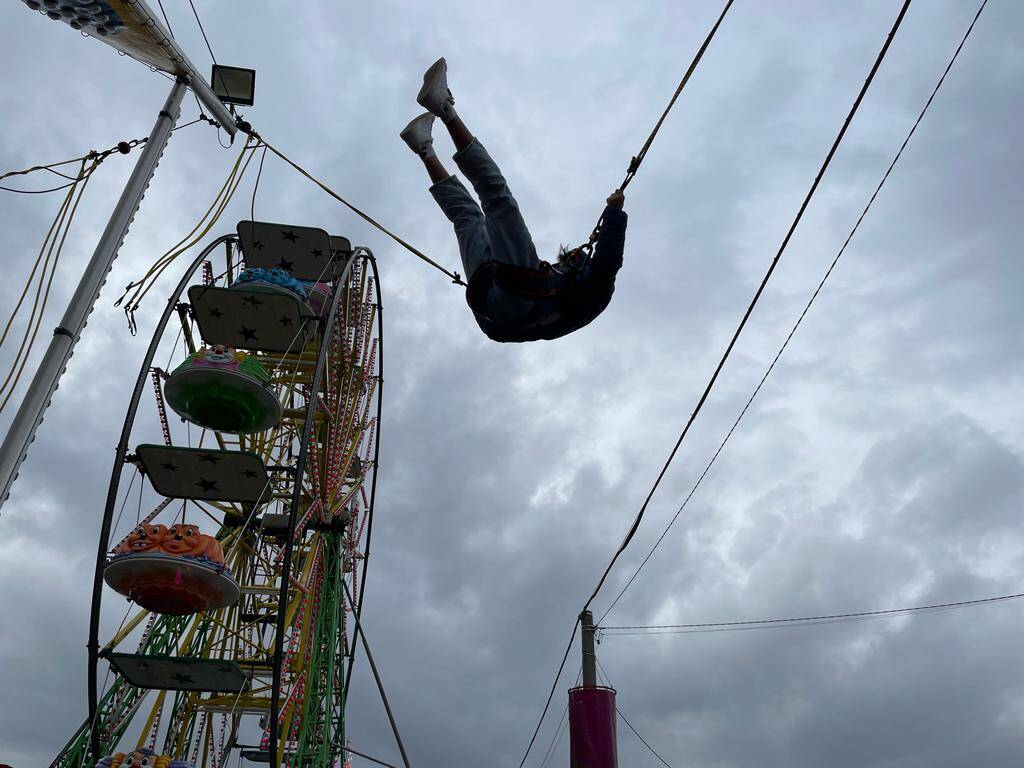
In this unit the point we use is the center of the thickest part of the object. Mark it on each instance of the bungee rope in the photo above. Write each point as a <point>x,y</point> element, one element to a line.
<point>136,290</point>
<point>46,265</point>
<point>456,279</point>
<point>586,248</point>
<point>52,248</point>
<point>638,158</point>
<point>48,167</point>
<point>122,147</point>
<point>634,165</point>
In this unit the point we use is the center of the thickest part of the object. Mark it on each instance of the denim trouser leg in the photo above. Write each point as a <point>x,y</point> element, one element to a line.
<point>497,233</point>
<point>510,239</point>
<point>470,226</point>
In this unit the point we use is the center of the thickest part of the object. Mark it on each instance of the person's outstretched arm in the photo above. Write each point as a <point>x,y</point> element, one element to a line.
<point>611,240</point>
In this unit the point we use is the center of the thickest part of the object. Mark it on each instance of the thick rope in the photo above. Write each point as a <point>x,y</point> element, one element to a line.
<point>634,164</point>
<point>47,167</point>
<point>53,246</point>
<point>123,147</point>
<point>39,257</point>
<point>638,158</point>
<point>136,290</point>
<point>362,214</point>
<point>88,163</point>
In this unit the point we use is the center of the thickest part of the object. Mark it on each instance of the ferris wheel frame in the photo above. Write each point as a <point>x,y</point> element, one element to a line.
<point>324,325</point>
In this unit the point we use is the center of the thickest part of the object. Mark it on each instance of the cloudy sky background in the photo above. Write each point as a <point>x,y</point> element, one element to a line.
<point>880,467</point>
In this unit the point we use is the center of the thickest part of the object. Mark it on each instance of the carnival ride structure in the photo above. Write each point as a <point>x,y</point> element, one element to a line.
<point>240,639</point>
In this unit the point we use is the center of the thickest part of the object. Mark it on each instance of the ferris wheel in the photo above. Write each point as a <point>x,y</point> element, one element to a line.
<point>238,519</point>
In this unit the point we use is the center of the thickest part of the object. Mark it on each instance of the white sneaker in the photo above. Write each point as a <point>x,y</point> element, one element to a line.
<point>417,135</point>
<point>435,96</point>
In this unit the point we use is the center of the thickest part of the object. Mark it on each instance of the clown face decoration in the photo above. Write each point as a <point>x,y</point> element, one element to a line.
<point>141,758</point>
<point>223,389</point>
<point>175,571</point>
<point>185,539</point>
<point>145,538</point>
<point>218,354</point>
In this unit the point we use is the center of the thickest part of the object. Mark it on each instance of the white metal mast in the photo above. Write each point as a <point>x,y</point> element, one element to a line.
<point>65,336</point>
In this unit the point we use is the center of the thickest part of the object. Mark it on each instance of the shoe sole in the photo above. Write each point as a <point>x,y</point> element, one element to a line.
<point>430,80</point>
<point>409,132</point>
<point>410,129</point>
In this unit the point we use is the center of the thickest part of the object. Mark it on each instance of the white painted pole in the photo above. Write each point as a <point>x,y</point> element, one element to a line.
<point>65,335</point>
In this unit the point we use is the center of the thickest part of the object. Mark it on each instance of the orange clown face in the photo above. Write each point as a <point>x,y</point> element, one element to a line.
<point>185,539</point>
<point>145,538</point>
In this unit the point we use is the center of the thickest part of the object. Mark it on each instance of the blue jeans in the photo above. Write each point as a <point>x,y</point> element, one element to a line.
<point>495,233</point>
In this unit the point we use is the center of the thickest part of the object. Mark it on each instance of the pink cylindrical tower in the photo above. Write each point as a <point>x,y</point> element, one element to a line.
<point>592,727</point>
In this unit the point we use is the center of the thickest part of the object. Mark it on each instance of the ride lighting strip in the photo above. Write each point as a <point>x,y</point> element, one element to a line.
<point>133,28</point>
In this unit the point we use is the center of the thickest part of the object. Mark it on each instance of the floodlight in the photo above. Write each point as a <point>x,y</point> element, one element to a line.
<point>234,85</point>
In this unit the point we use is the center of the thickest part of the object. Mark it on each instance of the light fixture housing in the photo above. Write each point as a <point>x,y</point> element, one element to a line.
<point>234,85</point>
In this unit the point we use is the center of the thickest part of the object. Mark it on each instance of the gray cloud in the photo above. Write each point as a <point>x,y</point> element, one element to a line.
<point>881,466</point>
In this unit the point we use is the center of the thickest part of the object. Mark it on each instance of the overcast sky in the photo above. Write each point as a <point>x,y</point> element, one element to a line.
<point>880,467</point>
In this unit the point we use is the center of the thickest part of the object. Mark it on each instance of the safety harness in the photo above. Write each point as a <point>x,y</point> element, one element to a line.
<point>524,282</point>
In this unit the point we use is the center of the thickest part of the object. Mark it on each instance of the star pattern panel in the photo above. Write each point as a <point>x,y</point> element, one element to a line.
<point>307,253</point>
<point>205,475</point>
<point>172,673</point>
<point>262,319</point>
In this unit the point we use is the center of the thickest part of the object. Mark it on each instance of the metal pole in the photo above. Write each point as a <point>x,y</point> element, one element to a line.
<point>589,656</point>
<point>65,335</point>
<point>376,677</point>
<point>209,100</point>
<point>591,711</point>
<point>371,759</point>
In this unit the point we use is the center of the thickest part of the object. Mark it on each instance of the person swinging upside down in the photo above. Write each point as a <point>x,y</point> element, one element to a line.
<point>513,294</point>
